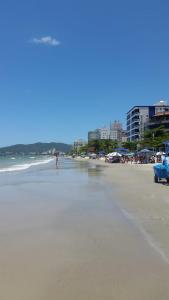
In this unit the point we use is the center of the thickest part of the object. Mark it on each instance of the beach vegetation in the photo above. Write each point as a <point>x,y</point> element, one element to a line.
<point>154,138</point>
<point>99,146</point>
<point>131,146</point>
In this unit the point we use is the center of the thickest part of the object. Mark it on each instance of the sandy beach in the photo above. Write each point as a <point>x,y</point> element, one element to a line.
<point>146,203</point>
<point>84,231</point>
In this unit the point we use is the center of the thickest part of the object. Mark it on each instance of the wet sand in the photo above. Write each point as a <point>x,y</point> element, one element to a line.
<point>68,233</point>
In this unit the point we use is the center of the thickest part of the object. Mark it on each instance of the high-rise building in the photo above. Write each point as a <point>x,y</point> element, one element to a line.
<point>99,134</point>
<point>115,135</point>
<point>124,136</point>
<point>116,131</point>
<point>94,135</point>
<point>116,125</point>
<point>104,133</point>
<point>138,116</point>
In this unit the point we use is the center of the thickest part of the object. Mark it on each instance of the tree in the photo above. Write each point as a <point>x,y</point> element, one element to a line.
<point>132,146</point>
<point>107,145</point>
<point>154,138</point>
<point>83,149</point>
<point>99,145</point>
<point>95,144</point>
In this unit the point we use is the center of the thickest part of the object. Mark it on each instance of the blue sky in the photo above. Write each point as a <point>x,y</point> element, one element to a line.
<point>68,66</point>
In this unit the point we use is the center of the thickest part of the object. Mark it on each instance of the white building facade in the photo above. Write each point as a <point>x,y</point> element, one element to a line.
<point>104,133</point>
<point>116,131</point>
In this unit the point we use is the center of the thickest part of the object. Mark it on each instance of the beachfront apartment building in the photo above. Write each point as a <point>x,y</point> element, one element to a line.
<point>124,136</point>
<point>114,132</point>
<point>117,132</point>
<point>159,119</point>
<point>116,125</point>
<point>139,116</point>
<point>118,135</point>
<point>115,135</point>
<point>104,133</point>
<point>99,134</point>
<point>78,144</point>
<point>93,135</point>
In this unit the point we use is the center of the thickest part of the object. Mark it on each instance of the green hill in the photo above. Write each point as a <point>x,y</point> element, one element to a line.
<point>37,148</point>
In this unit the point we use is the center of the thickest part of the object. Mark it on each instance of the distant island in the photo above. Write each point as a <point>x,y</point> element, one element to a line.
<point>35,149</point>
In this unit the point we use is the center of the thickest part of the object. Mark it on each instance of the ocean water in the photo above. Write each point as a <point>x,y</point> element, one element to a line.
<point>18,163</point>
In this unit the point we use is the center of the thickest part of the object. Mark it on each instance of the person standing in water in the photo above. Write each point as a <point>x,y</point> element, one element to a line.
<point>56,154</point>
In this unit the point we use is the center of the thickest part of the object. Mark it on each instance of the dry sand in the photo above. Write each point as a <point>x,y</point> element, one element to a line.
<point>77,234</point>
<point>144,202</point>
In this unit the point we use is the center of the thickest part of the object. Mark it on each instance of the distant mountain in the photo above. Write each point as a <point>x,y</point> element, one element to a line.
<point>37,148</point>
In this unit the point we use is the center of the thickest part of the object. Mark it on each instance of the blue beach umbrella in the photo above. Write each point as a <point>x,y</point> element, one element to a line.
<point>121,150</point>
<point>145,151</point>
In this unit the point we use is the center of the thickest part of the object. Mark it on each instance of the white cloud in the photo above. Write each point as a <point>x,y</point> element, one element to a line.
<point>46,40</point>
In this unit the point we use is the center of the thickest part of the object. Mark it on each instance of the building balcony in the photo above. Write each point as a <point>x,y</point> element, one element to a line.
<point>135,138</point>
<point>135,124</point>
<point>134,115</point>
<point>135,112</point>
<point>134,133</point>
<point>159,122</point>
<point>135,118</point>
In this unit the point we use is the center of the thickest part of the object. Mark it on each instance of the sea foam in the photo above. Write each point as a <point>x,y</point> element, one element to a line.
<point>24,166</point>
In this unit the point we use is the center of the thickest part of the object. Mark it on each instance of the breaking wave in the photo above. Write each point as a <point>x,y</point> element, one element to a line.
<point>24,166</point>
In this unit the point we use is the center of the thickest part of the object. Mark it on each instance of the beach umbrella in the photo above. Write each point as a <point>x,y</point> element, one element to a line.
<point>131,154</point>
<point>115,154</point>
<point>109,154</point>
<point>160,153</point>
<point>145,151</point>
<point>93,154</point>
<point>121,150</point>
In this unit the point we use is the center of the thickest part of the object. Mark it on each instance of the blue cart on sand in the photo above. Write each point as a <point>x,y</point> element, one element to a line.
<point>161,171</point>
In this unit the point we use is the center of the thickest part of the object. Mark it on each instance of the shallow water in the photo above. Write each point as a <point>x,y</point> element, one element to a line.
<point>10,164</point>
<point>63,235</point>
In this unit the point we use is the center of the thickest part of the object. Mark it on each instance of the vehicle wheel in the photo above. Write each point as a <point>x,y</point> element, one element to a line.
<point>167,180</point>
<point>155,178</point>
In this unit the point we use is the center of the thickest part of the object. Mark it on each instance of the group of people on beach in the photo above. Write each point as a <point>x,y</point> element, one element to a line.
<point>137,159</point>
